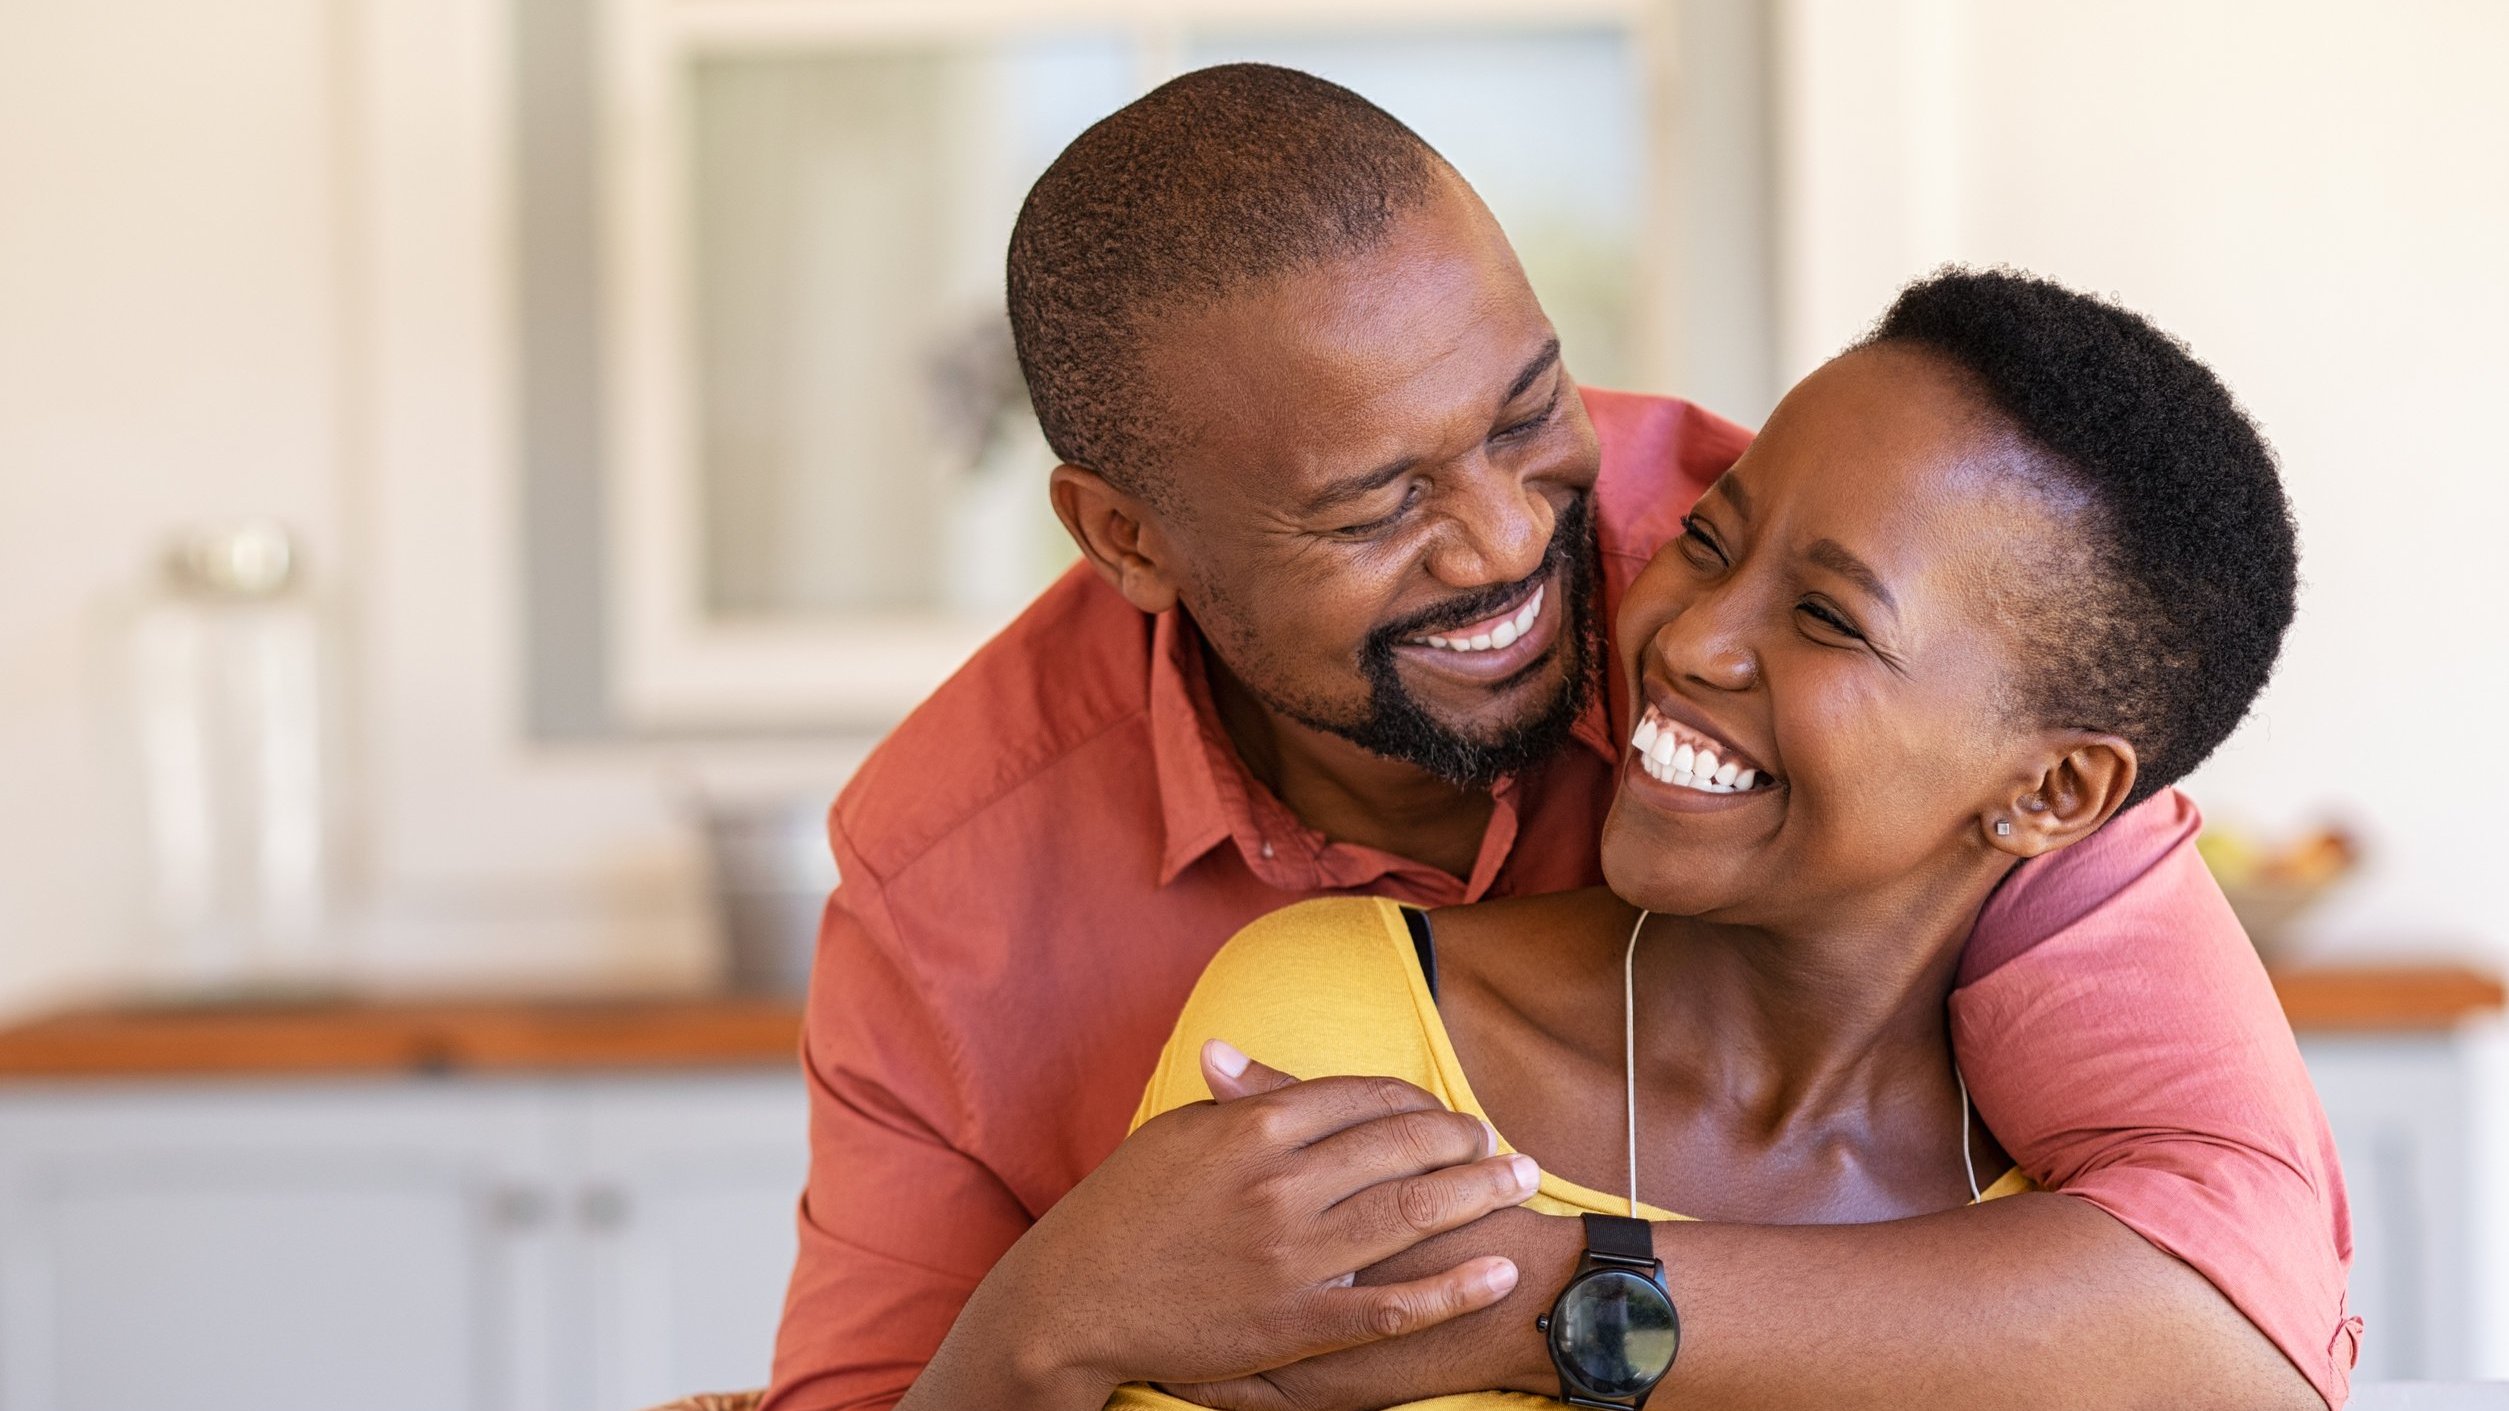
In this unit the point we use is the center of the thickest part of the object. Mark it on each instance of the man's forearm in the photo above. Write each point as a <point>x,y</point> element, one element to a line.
<point>989,1359</point>
<point>2035,1300</point>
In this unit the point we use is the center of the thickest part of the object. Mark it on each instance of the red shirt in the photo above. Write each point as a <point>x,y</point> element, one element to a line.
<point>1040,860</point>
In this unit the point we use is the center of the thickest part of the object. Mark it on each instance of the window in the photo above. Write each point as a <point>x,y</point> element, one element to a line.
<point>827,488</point>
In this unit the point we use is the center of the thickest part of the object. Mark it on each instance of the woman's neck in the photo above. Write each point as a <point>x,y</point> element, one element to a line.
<point>1812,1019</point>
<point>1820,1023</point>
<point>1788,1074</point>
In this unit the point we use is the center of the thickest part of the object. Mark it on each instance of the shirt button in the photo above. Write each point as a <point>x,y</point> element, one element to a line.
<point>1267,852</point>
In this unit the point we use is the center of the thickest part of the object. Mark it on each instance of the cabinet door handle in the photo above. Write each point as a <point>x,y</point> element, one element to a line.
<point>602,1208</point>
<point>517,1208</point>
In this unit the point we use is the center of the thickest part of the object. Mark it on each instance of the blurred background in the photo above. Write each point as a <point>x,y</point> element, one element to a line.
<point>475,475</point>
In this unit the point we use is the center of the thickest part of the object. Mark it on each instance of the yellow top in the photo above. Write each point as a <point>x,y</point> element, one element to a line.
<point>1334,986</point>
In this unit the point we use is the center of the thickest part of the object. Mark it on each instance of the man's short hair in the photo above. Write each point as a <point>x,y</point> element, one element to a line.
<point>2187,573</point>
<point>1200,188</point>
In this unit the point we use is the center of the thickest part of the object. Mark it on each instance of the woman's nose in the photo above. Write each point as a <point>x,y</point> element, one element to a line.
<point>1705,643</point>
<point>1501,528</point>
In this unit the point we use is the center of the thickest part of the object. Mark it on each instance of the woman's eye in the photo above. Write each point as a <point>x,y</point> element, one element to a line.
<point>1698,545</point>
<point>1830,619</point>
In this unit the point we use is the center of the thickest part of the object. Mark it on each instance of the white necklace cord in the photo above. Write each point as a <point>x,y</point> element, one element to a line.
<point>1629,1050</point>
<point>1968,1167</point>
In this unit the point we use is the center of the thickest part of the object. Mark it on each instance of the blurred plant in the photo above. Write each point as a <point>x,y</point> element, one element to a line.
<point>978,395</point>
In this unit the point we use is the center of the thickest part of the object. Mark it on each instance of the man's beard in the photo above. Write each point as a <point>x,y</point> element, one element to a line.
<point>1397,726</point>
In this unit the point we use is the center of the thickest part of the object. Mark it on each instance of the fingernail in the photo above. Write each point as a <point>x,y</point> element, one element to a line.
<point>1528,1175</point>
<point>1501,1278</point>
<point>1495,1145</point>
<point>1225,1057</point>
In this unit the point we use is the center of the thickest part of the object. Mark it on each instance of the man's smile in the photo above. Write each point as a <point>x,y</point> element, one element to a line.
<point>1497,648</point>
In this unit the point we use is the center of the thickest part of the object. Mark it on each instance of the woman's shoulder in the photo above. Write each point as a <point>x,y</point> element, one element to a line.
<point>1300,977</point>
<point>1323,987</point>
<point>1341,935</point>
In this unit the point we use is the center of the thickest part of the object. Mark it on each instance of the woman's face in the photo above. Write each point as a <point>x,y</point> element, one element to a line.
<point>1835,628</point>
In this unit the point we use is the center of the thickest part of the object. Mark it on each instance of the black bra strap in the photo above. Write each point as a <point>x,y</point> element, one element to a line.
<point>1423,945</point>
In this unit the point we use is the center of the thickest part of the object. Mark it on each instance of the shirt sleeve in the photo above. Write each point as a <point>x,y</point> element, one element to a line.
<point>898,1222</point>
<point>2123,1042</point>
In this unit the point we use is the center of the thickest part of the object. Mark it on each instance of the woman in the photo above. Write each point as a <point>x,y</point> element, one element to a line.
<point>2011,564</point>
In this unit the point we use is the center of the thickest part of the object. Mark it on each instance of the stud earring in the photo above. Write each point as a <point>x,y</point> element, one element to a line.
<point>2003,827</point>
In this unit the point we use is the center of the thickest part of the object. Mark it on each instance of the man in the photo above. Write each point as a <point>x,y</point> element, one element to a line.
<point>1353,538</point>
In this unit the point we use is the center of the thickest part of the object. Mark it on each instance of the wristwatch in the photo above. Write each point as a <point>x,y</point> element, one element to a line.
<point>1613,1332</point>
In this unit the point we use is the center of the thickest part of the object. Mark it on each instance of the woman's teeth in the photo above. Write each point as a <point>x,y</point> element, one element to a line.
<point>1687,760</point>
<point>1502,635</point>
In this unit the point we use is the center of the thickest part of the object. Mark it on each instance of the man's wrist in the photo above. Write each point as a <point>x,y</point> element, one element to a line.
<point>1004,1350</point>
<point>1546,1249</point>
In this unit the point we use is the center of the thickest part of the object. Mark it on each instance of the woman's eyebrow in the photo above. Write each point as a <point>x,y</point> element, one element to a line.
<point>1727,486</point>
<point>1832,555</point>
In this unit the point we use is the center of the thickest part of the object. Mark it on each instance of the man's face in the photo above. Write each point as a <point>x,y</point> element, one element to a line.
<point>1380,497</point>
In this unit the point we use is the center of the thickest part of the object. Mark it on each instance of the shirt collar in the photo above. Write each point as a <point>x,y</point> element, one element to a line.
<point>1182,725</point>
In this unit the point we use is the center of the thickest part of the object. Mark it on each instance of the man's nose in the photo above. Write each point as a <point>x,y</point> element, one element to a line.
<point>1499,530</point>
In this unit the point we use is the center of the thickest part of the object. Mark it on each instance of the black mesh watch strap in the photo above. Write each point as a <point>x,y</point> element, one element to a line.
<point>1618,1237</point>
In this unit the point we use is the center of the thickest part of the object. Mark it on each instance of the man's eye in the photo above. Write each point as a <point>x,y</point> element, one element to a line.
<point>1382,522</point>
<point>1529,424</point>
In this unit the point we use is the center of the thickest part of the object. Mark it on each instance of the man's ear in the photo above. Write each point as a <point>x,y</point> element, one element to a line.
<point>1119,535</point>
<point>2066,799</point>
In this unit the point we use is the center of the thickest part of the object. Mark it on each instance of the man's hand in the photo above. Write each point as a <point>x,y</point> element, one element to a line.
<point>1223,1239</point>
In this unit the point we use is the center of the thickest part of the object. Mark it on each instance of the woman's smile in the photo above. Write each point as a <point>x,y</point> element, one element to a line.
<point>1674,745</point>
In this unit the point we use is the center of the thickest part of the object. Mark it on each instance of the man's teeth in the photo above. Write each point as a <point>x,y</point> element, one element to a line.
<point>1665,751</point>
<point>1503,635</point>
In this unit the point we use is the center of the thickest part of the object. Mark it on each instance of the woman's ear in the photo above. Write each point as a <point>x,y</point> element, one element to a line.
<point>1118,533</point>
<point>2067,800</point>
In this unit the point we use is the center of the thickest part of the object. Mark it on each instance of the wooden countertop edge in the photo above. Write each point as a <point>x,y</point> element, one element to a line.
<point>350,1040</point>
<point>360,1039</point>
<point>2368,999</point>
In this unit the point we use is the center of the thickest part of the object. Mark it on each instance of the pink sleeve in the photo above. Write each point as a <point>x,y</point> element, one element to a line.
<point>2124,1044</point>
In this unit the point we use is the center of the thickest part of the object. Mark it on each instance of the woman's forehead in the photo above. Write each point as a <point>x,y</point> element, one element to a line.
<point>1888,454</point>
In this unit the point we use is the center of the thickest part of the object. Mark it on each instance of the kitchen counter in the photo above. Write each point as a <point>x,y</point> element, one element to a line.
<point>731,1031</point>
<point>2385,999</point>
<point>382,1038</point>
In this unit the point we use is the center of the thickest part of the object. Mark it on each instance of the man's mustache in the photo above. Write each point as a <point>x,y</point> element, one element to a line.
<point>1567,535</point>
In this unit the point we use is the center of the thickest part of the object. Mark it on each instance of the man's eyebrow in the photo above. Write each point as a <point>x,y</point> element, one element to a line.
<point>1543,361</point>
<point>1832,555</point>
<point>1360,486</point>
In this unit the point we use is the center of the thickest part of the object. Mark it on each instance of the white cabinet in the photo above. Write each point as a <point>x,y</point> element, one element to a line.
<point>507,1245</point>
<point>686,1210</point>
<point>2406,1118</point>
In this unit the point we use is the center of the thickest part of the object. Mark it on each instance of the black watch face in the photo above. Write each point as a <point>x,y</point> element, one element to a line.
<point>1614,1332</point>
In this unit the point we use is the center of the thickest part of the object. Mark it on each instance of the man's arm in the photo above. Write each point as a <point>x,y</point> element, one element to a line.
<point>2033,1300</point>
<point>1214,1242</point>
<point>1218,1240</point>
<point>898,1223</point>
<point>2124,1044</point>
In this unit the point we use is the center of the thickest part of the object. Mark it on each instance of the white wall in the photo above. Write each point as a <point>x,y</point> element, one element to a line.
<point>168,351</point>
<point>2315,194</point>
<point>256,259</point>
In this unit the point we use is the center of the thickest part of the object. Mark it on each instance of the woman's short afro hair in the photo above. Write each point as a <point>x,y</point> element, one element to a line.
<point>2190,554</point>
